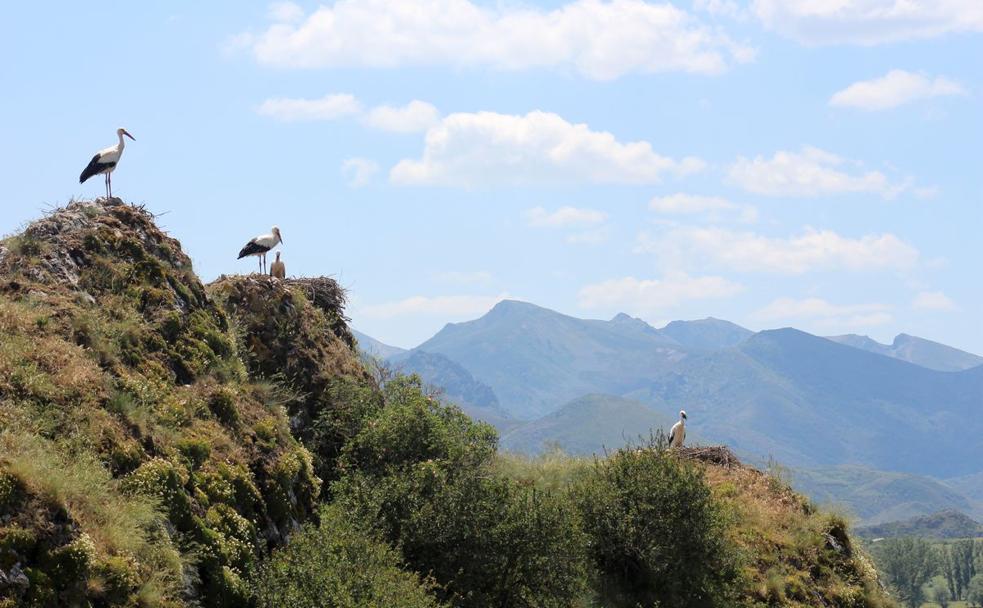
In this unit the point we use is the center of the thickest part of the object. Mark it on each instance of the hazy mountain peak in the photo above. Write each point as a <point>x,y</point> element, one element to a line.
<point>706,334</point>
<point>913,349</point>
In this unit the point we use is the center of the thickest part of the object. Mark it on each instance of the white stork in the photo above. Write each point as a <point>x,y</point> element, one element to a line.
<point>260,245</point>
<point>105,161</point>
<point>678,432</point>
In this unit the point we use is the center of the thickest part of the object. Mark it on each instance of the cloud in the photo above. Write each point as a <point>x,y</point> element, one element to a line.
<point>867,22</point>
<point>359,171</point>
<point>896,88</point>
<point>601,40</point>
<point>594,236</point>
<point>813,250</point>
<point>564,216</point>
<point>487,148</point>
<point>411,118</point>
<point>810,172</point>
<point>692,204</point>
<point>647,296</point>
<point>933,300</point>
<point>825,315</point>
<point>286,12</point>
<point>414,117</point>
<point>329,107</point>
<point>443,306</point>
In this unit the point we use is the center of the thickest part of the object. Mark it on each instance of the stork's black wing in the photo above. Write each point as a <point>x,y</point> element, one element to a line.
<point>252,248</point>
<point>94,168</point>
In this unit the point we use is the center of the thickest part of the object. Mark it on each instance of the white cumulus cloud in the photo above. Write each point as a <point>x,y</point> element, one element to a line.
<point>416,116</point>
<point>810,172</point>
<point>329,107</point>
<point>868,22</point>
<point>650,296</point>
<point>813,250</point>
<point>895,88</point>
<point>933,300</point>
<point>825,315</point>
<point>487,148</point>
<point>411,118</point>
<point>714,207</point>
<point>600,39</point>
<point>359,171</point>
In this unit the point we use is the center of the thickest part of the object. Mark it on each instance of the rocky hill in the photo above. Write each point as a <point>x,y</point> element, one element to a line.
<point>146,457</point>
<point>169,444</point>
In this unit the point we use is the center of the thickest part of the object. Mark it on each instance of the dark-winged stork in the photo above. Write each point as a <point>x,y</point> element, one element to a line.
<point>260,245</point>
<point>105,161</point>
<point>678,433</point>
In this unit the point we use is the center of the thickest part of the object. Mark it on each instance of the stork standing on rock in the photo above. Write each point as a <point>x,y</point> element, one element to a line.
<point>678,432</point>
<point>105,161</point>
<point>260,245</point>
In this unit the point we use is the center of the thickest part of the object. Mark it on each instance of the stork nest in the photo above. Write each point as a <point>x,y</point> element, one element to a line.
<point>325,293</point>
<point>712,454</point>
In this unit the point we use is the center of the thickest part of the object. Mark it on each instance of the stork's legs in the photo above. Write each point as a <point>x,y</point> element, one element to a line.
<point>109,184</point>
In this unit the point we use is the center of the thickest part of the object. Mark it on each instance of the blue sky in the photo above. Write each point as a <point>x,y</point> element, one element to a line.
<point>771,163</point>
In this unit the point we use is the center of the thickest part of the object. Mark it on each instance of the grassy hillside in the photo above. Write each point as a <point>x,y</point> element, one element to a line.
<point>164,444</point>
<point>141,463</point>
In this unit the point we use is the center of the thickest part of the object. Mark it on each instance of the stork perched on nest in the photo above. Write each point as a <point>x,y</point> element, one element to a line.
<point>260,245</point>
<point>277,269</point>
<point>105,162</point>
<point>678,432</point>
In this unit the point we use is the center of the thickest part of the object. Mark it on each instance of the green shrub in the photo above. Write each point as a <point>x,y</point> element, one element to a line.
<point>420,472</point>
<point>656,535</point>
<point>337,565</point>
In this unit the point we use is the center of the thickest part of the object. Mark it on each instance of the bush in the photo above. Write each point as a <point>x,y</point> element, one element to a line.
<point>420,473</point>
<point>656,535</point>
<point>337,565</point>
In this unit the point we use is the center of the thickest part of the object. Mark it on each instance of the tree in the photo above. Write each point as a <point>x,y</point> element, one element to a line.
<point>907,564</point>
<point>974,592</point>
<point>941,596</point>
<point>656,535</point>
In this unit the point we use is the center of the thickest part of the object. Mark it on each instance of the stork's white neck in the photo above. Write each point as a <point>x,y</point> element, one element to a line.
<point>122,142</point>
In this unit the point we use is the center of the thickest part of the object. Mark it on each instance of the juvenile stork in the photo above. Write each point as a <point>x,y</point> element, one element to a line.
<point>678,432</point>
<point>105,161</point>
<point>277,269</point>
<point>260,245</point>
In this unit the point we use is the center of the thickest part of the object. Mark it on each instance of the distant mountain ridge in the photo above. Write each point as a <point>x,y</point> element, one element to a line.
<point>912,349</point>
<point>807,401</point>
<point>944,524</point>
<point>589,425</point>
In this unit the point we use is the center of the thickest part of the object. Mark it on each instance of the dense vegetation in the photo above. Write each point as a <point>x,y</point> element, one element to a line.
<point>941,571</point>
<point>164,444</point>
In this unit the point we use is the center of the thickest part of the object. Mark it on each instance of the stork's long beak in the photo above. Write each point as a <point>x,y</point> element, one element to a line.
<point>127,133</point>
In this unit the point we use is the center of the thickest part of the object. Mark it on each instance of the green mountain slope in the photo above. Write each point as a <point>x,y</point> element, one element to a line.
<point>706,334</point>
<point>877,496</point>
<point>944,524</point>
<point>809,401</point>
<point>536,359</point>
<point>589,425</point>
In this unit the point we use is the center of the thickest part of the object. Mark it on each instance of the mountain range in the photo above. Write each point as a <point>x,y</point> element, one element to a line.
<point>811,403</point>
